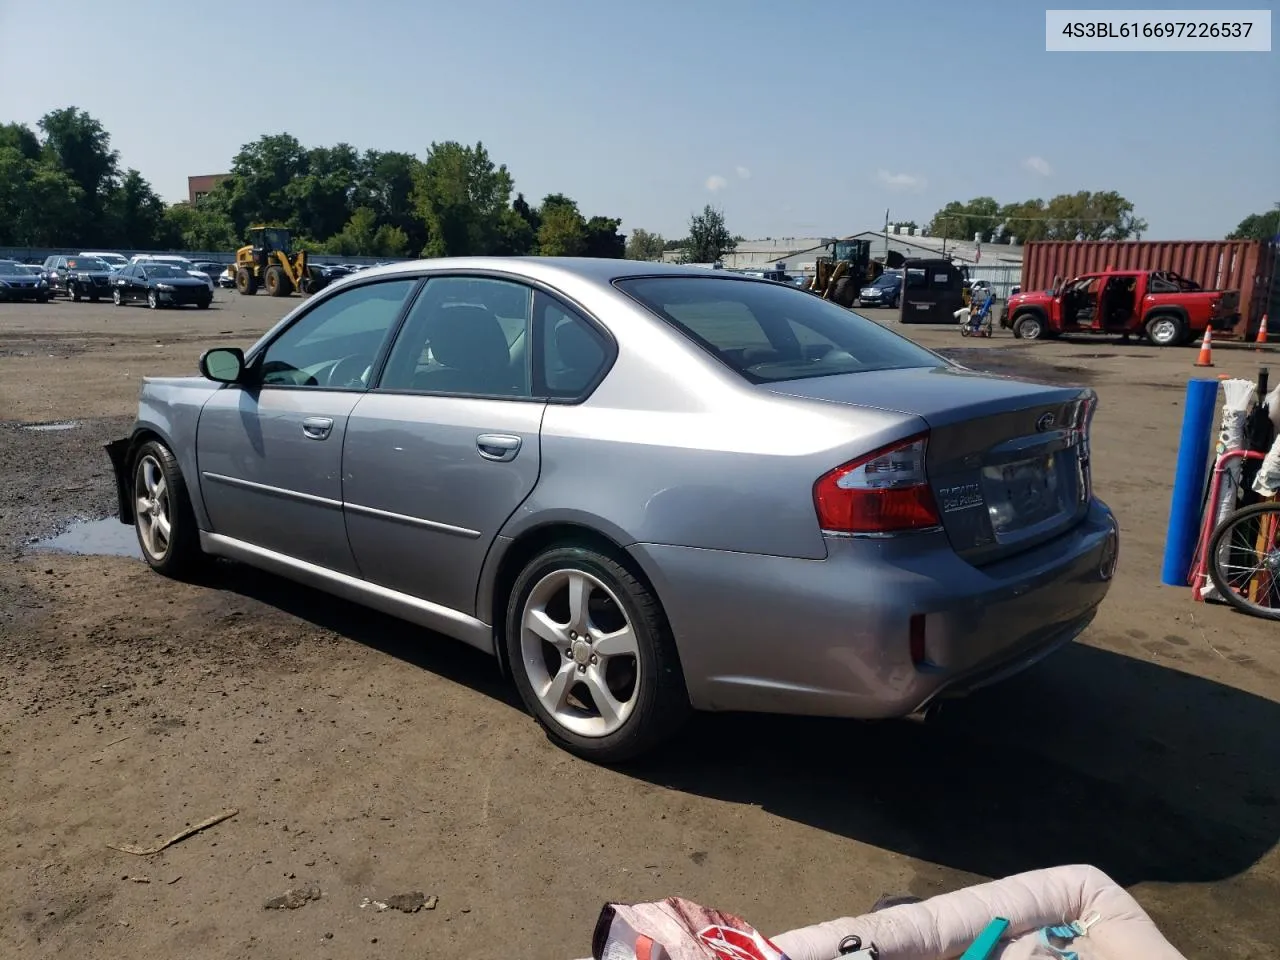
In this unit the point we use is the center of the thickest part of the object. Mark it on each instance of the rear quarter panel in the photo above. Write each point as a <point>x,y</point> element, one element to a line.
<point>675,448</point>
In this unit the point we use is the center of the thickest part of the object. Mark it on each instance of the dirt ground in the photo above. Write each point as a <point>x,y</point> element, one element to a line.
<point>367,758</point>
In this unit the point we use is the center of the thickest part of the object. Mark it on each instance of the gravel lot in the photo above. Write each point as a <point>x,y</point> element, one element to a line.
<point>368,758</point>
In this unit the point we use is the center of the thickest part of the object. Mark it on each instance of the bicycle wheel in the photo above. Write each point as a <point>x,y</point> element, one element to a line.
<point>1244,560</point>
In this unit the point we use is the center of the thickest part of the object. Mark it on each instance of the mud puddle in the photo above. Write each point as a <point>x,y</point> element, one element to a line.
<point>99,538</point>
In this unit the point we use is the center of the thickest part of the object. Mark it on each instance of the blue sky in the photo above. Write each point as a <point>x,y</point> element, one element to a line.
<point>796,117</point>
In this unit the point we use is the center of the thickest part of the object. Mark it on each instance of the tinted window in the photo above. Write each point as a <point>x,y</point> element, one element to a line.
<point>464,335</point>
<point>163,271</point>
<point>769,332</point>
<point>916,279</point>
<point>572,351</point>
<point>334,345</point>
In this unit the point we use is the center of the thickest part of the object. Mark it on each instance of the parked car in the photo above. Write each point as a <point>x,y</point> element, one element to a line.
<point>643,488</point>
<point>227,278</point>
<point>176,261</point>
<point>160,285</point>
<point>884,291</point>
<point>1159,305</point>
<point>78,277</point>
<point>115,261</point>
<point>21,282</point>
<point>211,271</point>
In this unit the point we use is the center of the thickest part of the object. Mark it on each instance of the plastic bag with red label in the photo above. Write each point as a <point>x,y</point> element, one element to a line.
<point>676,929</point>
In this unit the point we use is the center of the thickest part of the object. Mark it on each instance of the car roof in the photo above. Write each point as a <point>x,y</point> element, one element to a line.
<point>596,270</point>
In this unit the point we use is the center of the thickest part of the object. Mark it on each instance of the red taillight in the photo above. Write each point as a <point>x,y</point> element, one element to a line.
<point>886,491</point>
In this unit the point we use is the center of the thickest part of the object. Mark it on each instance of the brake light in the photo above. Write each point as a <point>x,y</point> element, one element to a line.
<point>887,491</point>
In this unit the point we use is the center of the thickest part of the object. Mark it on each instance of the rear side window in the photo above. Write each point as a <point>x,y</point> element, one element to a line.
<point>769,332</point>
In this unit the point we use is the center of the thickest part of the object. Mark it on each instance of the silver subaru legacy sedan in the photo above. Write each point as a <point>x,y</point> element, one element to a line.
<point>644,489</point>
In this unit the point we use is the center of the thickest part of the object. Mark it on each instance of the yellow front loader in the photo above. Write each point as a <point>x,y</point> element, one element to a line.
<point>268,260</point>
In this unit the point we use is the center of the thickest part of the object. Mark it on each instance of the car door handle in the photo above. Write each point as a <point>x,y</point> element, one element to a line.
<point>317,428</point>
<point>498,446</point>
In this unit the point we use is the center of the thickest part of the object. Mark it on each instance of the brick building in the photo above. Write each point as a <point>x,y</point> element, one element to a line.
<point>197,187</point>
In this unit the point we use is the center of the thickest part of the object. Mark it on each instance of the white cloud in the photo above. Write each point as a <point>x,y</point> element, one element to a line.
<point>716,182</point>
<point>901,181</point>
<point>1038,165</point>
<point>744,173</point>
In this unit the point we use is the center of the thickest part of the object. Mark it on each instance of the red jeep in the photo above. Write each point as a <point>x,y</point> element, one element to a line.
<point>1162,306</point>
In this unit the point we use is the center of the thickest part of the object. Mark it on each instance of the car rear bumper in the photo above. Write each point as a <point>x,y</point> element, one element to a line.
<point>832,637</point>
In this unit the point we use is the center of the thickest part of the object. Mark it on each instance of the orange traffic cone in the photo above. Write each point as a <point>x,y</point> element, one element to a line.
<point>1206,350</point>
<point>1262,331</point>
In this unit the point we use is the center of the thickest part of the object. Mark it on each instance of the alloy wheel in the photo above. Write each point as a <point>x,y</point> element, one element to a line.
<point>152,512</point>
<point>580,653</point>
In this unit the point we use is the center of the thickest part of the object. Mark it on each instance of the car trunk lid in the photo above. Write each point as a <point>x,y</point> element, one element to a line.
<point>1008,459</point>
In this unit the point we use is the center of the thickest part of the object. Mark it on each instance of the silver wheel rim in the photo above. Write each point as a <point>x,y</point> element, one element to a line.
<point>151,299</point>
<point>1030,329</point>
<point>115,297</point>
<point>151,508</point>
<point>1163,331</point>
<point>580,653</point>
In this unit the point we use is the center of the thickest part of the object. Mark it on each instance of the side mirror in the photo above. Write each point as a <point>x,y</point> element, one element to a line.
<point>222,364</point>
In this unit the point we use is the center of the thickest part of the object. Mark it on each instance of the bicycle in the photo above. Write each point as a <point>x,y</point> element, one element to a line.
<point>1244,559</point>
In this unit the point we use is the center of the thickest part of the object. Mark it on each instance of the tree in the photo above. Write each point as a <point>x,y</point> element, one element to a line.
<point>387,187</point>
<point>135,215</point>
<point>643,245</point>
<point>1104,215</point>
<point>202,227</point>
<point>562,231</point>
<point>709,239</point>
<point>960,221</point>
<point>603,239</point>
<point>40,205</point>
<point>79,146</point>
<point>461,196</point>
<point>1258,226</point>
<point>21,138</point>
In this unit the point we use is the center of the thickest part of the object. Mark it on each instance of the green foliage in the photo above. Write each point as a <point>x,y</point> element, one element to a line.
<point>643,245</point>
<point>709,238</point>
<point>64,187</point>
<point>562,231</point>
<point>1258,226</point>
<point>1104,215</point>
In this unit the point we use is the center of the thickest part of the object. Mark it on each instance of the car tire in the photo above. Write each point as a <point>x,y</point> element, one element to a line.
<point>1166,330</point>
<point>646,697</point>
<point>73,292</point>
<point>42,298</point>
<point>153,300</point>
<point>160,500</point>
<point>117,297</point>
<point>204,304</point>
<point>1029,326</point>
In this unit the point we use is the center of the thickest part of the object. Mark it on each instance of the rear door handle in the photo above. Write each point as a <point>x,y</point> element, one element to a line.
<point>498,446</point>
<point>317,428</point>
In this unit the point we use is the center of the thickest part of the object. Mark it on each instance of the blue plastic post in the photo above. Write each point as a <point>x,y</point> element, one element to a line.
<point>1188,481</point>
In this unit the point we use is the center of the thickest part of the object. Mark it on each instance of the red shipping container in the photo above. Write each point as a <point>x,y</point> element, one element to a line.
<point>1244,265</point>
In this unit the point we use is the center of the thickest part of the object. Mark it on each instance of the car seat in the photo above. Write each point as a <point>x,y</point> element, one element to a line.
<point>468,343</point>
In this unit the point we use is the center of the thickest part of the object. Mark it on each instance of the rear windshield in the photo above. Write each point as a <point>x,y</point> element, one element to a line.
<point>769,332</point>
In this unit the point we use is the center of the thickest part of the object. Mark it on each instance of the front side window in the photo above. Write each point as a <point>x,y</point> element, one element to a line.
<point>335,344</point>
<point>467,336</point>
<point>767,332</point>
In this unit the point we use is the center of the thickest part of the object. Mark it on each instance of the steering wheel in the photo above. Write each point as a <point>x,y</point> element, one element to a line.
<point>350,371</point>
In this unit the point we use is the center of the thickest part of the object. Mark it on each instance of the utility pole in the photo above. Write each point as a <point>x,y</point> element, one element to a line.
<point>886,236</point>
